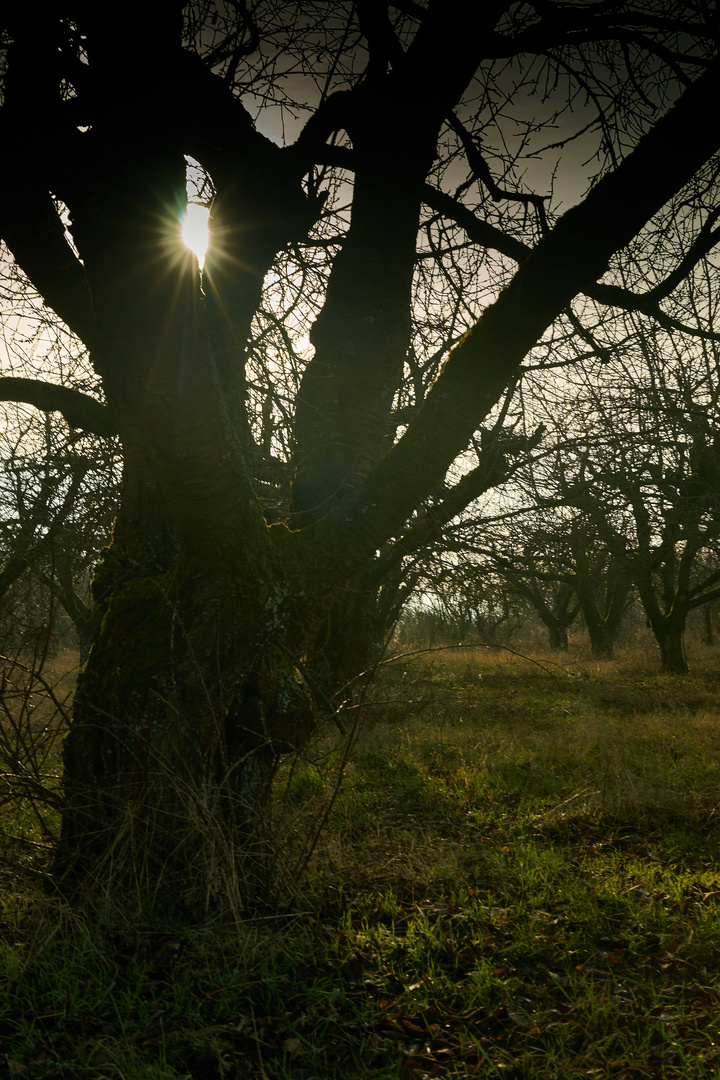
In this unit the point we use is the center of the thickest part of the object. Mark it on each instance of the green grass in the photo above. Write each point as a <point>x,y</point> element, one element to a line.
<point>518,878</point>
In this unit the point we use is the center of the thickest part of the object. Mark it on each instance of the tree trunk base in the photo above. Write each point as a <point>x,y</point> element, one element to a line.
<point>186,844</point>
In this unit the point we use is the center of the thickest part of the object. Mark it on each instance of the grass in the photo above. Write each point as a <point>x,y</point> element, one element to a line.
<point>518,878</point>
<point>35,697</point>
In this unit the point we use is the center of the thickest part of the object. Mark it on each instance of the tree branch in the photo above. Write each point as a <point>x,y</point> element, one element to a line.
<point>481,232</point>
<point>477,230</point>
<point>573,256</point>
<point>35,236</point>
<point>615,296</point>
<point>79,410</point>
<point>481,170</point>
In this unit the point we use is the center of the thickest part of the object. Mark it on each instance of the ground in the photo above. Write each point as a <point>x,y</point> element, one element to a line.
<point>518,877</point>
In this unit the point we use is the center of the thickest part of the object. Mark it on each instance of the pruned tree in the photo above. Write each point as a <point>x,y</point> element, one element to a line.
<point>549,554</point>
<point>551,549</point>
<point>645,478</point>
<point>669,548</point>
<point>535,576</point>
<point>369,168</point>
<point>471,602</point>
<point>602,586</point>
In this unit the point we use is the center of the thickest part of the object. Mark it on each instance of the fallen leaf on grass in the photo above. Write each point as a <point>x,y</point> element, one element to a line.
<point>293,1047</point>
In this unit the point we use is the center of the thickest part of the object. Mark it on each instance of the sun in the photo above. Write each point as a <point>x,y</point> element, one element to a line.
<point>195,232</point>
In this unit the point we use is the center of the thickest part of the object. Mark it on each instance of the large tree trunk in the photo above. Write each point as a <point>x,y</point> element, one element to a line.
<point>670,636</point>
<point>668,626</point>
<point>558,637</point>
<point>603,627</point>
<point>190,694</point>
<point>709,627</point>
<point>601,638</point>
<point>602,644</point>
<point>191,689</point>
<point>180,714</point>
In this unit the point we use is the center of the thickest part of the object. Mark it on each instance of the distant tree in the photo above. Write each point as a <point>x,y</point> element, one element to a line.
<point>466,600</point>
<point>368,166</point>
<point>602,586</point>
<point>649,484</point>
<point>56,506</point>
<point>548,554</point>
<point>554,553</point>
<point>532,568</point>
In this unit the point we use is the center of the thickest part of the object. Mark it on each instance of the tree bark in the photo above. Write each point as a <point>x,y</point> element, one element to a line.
<point>709,634</point>
<point>190,694</point>
<point>603,626</point>
<point>670,637</point>
<point>191,690</point>
<point>668,626</point>
<point>558,637</point>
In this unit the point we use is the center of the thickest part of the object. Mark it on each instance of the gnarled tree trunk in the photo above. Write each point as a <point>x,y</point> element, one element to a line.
<point>194,683</point>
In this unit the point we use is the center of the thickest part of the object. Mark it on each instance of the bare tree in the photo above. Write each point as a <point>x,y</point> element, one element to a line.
<point>382,181</point>
<point>56,508</point>
<point>533,569</point>
<point>644,480</point>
